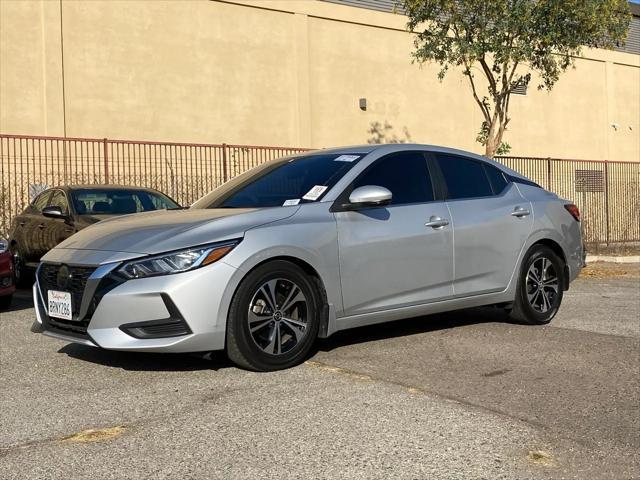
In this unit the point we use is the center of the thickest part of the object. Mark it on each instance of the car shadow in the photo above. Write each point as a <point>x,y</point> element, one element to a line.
<point>412,326</point>
<point>22,300</point>
<point>177,362</point>
<point>148,362</point>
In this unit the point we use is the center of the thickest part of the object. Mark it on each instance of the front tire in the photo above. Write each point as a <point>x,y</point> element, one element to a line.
<point>540,287</point>
<point>274,317</point>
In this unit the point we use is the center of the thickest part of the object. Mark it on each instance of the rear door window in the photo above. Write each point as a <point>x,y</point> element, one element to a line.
<point>464,177</point>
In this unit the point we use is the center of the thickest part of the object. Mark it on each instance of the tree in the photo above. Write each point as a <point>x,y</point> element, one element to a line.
<point>507,41</point>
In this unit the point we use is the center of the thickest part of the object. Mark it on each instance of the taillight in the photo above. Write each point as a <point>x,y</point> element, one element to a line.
<point>573,210</point>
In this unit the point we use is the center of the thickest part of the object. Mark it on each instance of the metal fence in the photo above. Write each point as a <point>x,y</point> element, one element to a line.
<point>608,193</point>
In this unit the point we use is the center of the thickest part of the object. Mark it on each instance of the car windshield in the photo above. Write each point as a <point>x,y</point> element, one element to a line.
<point>288,181</point>
<point>112,201</point>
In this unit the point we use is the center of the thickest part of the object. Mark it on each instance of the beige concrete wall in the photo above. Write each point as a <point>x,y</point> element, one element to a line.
<point>278,72</point>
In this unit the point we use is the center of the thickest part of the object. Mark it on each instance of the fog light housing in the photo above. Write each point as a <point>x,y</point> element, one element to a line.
<point>174,326</point>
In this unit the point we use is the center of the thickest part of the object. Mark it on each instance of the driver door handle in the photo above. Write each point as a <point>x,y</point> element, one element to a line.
<point>520,212</point>
<point>437,222</point>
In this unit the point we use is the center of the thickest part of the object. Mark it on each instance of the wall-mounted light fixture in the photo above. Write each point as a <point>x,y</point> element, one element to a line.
<point>363,104</point>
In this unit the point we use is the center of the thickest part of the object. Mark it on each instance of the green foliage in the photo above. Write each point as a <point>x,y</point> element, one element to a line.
<point>507,40</point>
<point>483,135</point>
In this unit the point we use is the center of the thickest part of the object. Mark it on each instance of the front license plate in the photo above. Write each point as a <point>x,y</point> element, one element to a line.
<point>60,304</point>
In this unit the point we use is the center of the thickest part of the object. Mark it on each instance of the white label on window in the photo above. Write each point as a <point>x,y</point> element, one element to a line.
<point>315,192</point>
<point>293,201</point>
<point>346,158</point>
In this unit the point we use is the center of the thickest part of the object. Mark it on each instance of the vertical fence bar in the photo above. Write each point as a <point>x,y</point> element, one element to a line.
<point>606,200</point>
<point>105,150</point>
<point>224,163</point>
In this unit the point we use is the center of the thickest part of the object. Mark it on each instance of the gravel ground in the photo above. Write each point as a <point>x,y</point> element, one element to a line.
<point>455,396</point>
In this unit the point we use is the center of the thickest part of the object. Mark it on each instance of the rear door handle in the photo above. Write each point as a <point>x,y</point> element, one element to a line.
<point>22,224</point>
<point>437,222</point>
<point>520,212</point>
<point>41,226</point>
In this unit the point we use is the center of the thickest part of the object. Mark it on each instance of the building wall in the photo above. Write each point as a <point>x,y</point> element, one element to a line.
<point>279,72</point>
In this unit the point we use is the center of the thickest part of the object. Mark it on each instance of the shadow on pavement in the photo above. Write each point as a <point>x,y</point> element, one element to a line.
<point>412,326</point>
<point>151,362</point>
<point>174,362</point>
<point>22,300</point>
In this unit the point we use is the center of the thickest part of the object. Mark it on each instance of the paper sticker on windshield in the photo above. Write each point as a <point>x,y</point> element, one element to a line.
<point>315,192</point>
<point>293,201</point>
<point>346,158</point>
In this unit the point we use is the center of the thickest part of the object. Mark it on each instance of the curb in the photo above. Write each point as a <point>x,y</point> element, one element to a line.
<point>610,259</point>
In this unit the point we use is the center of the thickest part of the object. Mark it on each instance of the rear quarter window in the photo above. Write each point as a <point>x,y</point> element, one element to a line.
<point>496,178</point>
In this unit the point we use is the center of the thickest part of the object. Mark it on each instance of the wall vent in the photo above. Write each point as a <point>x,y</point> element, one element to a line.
<point>589,181</point>
<point>520,88</point>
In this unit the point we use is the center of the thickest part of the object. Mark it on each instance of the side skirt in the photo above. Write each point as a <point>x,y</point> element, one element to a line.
<point>353,321</point>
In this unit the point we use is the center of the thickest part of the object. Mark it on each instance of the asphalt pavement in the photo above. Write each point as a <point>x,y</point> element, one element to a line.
<point>465,395</point>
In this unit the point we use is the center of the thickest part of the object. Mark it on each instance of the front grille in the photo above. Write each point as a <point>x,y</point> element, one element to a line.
<point>77,280</point>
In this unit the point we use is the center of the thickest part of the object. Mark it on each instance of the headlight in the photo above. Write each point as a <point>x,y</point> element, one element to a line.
<point>176,262</point>
<point>4,245</point>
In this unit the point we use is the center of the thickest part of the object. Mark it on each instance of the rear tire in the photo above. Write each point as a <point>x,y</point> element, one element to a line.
<point>540,287</point>
<point>274,317</point>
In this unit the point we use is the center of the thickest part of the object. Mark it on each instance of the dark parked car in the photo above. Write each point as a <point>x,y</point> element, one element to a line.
<point>6,275</point>
<point>58,213</point>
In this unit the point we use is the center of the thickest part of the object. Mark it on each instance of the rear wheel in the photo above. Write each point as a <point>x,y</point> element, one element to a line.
<point>274,317</point>
<point>540,287</point>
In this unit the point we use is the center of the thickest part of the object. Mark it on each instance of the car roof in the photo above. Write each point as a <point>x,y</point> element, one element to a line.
<point>94,186</point>
<point>399,147</point>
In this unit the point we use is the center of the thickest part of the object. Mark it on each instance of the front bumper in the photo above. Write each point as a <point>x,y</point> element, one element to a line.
<point>184,312</point>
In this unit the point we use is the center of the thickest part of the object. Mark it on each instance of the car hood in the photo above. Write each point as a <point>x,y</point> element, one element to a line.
<point>162,231</point>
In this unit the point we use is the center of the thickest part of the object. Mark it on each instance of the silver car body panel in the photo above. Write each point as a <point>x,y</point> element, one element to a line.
<point>376,265</point>
<point>488,240</point>
<point>390,259</point>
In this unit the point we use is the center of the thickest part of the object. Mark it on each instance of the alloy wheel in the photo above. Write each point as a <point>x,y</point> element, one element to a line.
<point>542,285</point>
<point>277,316</point>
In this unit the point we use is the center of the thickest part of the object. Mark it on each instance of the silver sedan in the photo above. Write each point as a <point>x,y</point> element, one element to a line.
<point>304,246</point>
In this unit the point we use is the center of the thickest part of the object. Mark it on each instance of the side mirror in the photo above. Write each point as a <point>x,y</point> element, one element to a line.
<point>369,196</point>
<point>54,212</point>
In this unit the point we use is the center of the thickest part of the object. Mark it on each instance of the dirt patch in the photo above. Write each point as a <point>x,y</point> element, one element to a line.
<point>540,457</point>
<point>339,371</point>
<point>610,270</point>
<point>94,435</point>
